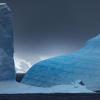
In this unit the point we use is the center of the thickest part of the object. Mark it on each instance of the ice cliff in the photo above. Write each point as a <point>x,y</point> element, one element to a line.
<point>7,69</point>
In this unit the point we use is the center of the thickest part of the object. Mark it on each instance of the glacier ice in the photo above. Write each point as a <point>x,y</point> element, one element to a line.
<point>7,69</point>
<point>81,65</point>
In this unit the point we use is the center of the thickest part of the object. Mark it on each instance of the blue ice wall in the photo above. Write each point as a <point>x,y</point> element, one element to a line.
<point>82,65</point>
<point>7,69</point>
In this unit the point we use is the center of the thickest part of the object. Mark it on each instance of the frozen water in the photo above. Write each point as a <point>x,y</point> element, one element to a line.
<point>7,70</point>
<point>12,87</point>
<point>82,65</point>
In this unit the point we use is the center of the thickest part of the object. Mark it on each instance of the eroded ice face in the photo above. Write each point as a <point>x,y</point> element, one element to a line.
<point>7,70</point>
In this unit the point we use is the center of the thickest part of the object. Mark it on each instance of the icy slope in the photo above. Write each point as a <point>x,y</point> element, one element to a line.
<point>82,65</point>
<point>7,70</point>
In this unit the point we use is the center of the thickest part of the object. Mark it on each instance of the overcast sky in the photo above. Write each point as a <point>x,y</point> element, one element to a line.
<point>46,28</point>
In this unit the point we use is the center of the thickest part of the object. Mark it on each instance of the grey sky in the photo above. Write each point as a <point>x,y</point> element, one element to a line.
<point>52,27</point>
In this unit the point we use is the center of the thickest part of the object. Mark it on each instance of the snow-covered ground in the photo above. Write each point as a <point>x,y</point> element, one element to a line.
<point>13,87</point>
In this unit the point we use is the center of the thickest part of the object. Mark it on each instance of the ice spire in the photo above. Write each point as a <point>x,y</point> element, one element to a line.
<point>7,69</point>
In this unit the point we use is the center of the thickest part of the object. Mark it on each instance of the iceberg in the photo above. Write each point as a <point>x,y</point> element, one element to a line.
<point>81,65</point>
<point>8,84</point>
<point>7,69</point>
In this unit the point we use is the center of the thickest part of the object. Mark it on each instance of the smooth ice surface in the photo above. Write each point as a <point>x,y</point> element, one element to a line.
<point>12,87</point>
<point>82,65</point>
<point>7,70</point>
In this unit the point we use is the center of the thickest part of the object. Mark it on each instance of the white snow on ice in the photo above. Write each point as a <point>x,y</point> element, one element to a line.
<point>13,87</point>
<point>2,4</point>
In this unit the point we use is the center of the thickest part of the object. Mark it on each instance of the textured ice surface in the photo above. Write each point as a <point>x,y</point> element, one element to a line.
<point>82,65</point>
<point>7,70</point>
<point>12,87</point>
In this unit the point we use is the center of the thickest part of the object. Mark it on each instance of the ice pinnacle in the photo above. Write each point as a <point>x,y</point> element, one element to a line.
<point>7,68</point>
